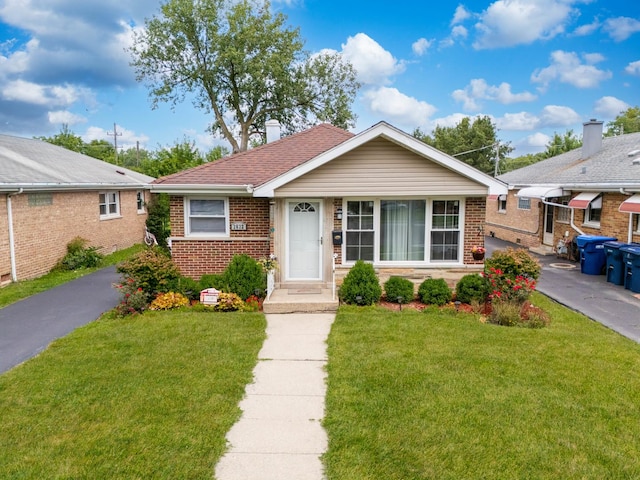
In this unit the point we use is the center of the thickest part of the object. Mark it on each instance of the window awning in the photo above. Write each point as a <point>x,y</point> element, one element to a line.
<point>631,204</point>
<point>497,197</point>
<point>582,200</point>
<point>541,192</point>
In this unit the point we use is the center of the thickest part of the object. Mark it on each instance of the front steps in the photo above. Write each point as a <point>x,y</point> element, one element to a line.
<point>301,299</point>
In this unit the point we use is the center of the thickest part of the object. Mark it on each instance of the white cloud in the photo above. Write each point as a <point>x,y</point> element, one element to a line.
<point>610,107</point>
<point>459,32</point>
<point>374,64</point>
<point>421,46</point>
<point>396,107</point>
<point>44,95</point>
<point>460,15</point>
<point>478,89</point>
<point>514,22</point>
<point>536,140</point>
<point>65,117</point>
<point>587,29</point>
<point>521,121</point>
<point>567,67</point>
<point>621,28</point>
<point>558,116</point>
<point>633,68</point>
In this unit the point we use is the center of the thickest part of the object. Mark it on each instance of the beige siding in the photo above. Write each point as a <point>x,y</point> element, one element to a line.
<point>382,168</point>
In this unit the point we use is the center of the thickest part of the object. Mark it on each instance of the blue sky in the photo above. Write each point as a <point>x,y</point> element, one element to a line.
<point>534,66</point>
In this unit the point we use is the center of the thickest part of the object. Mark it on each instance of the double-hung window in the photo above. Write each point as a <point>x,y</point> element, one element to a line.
<point>207,216</point>
<point>403,230</point>
<point>140,201</point>
<point>109,204</point>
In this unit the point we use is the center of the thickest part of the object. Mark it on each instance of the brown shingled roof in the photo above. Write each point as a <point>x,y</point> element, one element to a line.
<point>264,163</point>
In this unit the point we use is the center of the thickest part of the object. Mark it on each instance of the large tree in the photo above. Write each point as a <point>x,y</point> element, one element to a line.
<point>472,141</point>
<point>243,65</point>
<point>627,122</point>
<point>561,144</point>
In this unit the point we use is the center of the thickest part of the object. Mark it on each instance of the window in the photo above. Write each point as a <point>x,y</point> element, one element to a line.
<point>109,204</point>
<point>398,230</point>
<point>445,233</point>
<point>40,199</point>
<point>524,203</point>
<point>594,211</point>
<point>563,214</point>
<point>502,203</point>
<point>207,216</point>
<point>360,231</point>
<point>636,222</point>
<point>140,201</point>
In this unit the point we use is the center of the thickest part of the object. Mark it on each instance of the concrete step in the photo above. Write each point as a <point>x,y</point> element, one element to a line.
<point>300,300</point>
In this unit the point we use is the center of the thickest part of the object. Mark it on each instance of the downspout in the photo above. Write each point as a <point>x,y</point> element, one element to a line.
<point>630,228</point>
<point>573,225</point>
<point>12,247</point>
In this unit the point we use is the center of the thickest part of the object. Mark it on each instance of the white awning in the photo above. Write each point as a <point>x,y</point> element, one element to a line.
<point>541,192</point>
<point>497,197</point>
<point>631,204</point>
<point>582,200</point>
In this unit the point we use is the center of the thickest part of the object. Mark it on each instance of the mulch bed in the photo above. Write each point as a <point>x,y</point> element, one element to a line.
<point>419,306</point>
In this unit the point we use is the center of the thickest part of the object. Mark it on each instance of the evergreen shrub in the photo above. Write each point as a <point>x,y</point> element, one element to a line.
<point>361,285</point>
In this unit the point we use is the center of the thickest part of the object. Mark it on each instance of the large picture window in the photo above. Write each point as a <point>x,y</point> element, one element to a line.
<point>109,204</point>
<point>207,216</point>
<point>403,230</point>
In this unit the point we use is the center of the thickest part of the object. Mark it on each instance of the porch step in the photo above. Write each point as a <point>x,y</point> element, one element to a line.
<point>300,300</point>
<point>542,250</point>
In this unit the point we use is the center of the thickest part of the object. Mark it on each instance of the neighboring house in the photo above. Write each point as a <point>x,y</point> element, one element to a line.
<point>325,194</point>
<point>592,190</point>
<point>49,195</point>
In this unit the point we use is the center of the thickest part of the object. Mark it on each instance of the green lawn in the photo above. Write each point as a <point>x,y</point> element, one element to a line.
<point>146,397</point>
<point>442,396</point>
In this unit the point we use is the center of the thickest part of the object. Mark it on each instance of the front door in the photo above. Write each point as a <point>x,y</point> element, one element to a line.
<point>548,225</point>
<point>304,240</point>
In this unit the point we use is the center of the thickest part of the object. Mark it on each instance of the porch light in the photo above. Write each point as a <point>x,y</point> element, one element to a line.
<point>339,213</point>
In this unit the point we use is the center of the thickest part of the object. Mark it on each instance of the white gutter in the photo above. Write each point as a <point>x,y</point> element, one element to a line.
<point>203,189</point>
<point>12,247</point>
<point>571,222</point>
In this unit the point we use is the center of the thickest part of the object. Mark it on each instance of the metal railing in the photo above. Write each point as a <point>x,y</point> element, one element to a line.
<point>333,279</point>
<point>271,283</point>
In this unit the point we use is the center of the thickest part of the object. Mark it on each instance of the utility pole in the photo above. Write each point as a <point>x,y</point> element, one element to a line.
<point>115,134</point>
<point>497,166</point>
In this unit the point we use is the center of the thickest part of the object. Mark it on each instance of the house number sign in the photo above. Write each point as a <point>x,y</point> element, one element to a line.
<point>238,226</point>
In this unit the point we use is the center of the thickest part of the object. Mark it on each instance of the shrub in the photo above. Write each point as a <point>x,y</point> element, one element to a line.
<point>472,288</point>
<point>533,317</point>
<point>158,217</point>
<point>399,289</point>
<point>152,270</point>
<point>507,289</point>
<point>209,280</point>
<point>134,299</point>
<point>79,256</point>
<point>252,304</point>
<point>243,276</point>
<point>188,287</point>
<point>228,302</point>
<point>505,313</point>
<point>361,285</point>
<point>434,291</point>
<point>168,301</point>
<point>514,262</point>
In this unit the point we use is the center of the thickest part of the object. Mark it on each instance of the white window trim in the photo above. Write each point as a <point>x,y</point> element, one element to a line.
<point>108,215</point>
<point>427,240</point>
<point>636,220</point>
<point>187,218</point>
<point>143,208</point>
<point>587,213</point>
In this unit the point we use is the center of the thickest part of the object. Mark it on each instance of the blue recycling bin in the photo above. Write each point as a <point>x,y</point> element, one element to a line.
<point>615,263</point>
<point>631,258</point>
<point>592,256</point>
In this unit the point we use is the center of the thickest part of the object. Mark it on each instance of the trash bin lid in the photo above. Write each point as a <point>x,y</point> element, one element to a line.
<point>633,249</point>
<point>583,240</point>
<point>614,245</point>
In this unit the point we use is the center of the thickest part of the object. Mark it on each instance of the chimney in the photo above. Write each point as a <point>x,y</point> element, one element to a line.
<point>273,130</point>
<point>591,137</point>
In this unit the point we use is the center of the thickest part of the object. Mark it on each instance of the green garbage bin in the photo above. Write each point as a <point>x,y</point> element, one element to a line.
<point>631,257</point>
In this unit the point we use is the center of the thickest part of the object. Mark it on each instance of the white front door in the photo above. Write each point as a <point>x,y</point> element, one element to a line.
<point>547,238</point>
<point>304,240</point>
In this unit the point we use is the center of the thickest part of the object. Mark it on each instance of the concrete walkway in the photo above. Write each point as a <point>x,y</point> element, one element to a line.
<point>279,435</point>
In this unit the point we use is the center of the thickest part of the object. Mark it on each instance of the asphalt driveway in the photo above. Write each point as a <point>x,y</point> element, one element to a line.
<point>591,295</point>
<point>27,327</point>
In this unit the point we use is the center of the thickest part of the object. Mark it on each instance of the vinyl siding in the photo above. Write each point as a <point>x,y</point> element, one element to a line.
<point>382,168</point>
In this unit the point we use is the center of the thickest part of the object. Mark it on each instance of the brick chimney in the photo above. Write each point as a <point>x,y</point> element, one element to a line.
<point>273,130</point>
<point>591,137</point>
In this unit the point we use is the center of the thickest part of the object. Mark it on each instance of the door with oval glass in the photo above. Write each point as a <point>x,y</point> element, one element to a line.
<point>304,240</point>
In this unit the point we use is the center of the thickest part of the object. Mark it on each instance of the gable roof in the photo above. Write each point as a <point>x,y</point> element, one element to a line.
<point>259,165</point>
<point>262,170</point>
<point>611,168</point>
<point>33,164</point>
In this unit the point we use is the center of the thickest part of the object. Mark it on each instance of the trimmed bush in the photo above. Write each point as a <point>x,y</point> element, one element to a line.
<point>472,288</point>
<point>151,270</point>
<point>513,262</point>
<point>243,276</point>
<point>399,290</point>
<point>434,291</point>
<point>361,285</point>
<point>79,256</point>
<point>229,302</point>
<point>188,287</point>
<point>168,301</point>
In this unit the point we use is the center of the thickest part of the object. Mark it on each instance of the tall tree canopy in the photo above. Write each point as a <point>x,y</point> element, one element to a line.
<point>244,66</point>
<point>627,122</point>
<point>561,144</point>
<point>472,141</point>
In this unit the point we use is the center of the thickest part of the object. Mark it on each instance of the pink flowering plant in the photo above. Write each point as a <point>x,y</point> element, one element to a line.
<point>505,288</point>
<point>134,299</point>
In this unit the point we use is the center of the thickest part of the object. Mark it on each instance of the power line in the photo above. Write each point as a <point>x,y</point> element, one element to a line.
<point>115,135</point>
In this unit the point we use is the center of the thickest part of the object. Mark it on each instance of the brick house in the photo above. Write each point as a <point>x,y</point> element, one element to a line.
<point>592,190</point>
<point>325,195</point>
<point>50,195</point>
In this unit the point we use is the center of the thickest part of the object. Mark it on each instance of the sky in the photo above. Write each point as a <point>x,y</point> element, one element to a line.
<point>535,67</point>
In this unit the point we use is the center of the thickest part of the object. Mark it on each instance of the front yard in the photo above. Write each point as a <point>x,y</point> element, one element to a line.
<point>412,395</point>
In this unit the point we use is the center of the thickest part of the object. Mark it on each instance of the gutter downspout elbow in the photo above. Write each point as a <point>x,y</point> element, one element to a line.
<point>12,246</point>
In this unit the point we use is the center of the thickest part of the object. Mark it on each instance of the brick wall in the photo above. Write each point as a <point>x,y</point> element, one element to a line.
<point>474,219</point>
<point>5,258</point>
<point>515,225</point>
<point>197,257</point>
<point>42,232</point>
